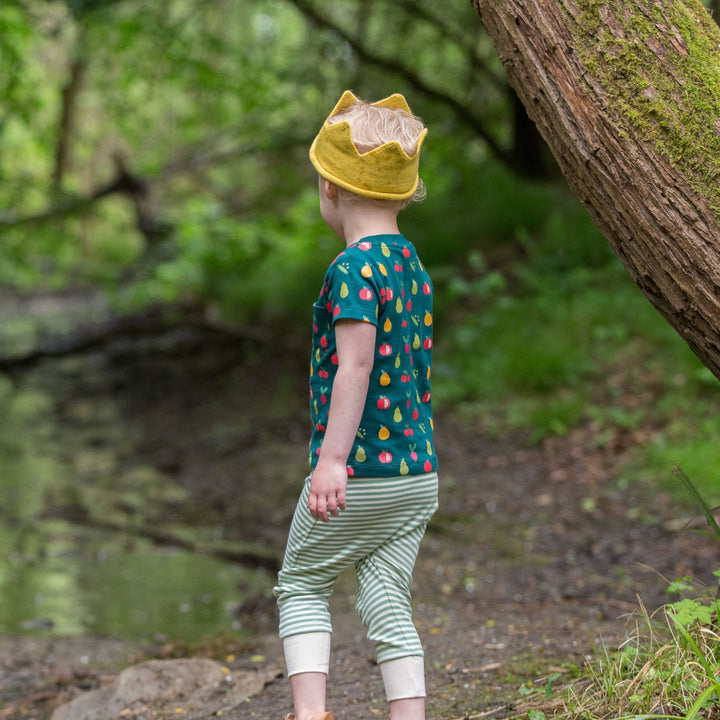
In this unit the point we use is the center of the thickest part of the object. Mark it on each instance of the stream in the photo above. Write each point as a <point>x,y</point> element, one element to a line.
<point>101,531</point>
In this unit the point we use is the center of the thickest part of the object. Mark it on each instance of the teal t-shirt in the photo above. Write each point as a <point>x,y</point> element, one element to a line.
<point>379,280</point>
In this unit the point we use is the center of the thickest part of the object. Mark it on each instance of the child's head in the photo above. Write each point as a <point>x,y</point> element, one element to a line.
<point>371,149</point>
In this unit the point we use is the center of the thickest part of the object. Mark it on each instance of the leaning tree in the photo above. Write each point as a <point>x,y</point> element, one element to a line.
<point>626,94</point>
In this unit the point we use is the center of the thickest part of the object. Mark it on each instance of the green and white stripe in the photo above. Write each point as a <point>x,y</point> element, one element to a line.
<point>379,533</point>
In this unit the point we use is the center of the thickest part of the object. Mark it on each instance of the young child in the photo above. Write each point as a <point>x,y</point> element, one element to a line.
<point>373,485</point>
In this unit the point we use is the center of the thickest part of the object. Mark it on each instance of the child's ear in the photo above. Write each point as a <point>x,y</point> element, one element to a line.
<point>330,190</point>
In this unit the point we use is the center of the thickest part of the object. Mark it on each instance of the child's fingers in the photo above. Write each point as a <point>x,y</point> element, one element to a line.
<point>320,507</point>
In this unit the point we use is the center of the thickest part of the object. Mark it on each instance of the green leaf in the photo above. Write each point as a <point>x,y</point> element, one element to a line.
<point>687,612</point>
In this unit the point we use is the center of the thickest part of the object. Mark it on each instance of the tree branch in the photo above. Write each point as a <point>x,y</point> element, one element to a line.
<point>69,96</point>
<point>155,321</point>
<point>391,65</point>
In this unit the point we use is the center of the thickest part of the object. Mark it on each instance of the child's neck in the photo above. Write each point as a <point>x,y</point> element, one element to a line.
<point>370,221</point>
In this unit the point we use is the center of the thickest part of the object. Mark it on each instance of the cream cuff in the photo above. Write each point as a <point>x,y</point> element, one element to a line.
<point>307,652</point>
<point>404,677</point>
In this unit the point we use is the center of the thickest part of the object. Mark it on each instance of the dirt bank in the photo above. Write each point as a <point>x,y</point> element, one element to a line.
<point>537,551</point>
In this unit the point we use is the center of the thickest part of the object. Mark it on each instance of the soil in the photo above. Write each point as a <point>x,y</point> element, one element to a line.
<point>537,556</point>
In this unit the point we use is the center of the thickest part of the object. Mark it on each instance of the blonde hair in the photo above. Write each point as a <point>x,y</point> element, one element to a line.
<point>372,126</point>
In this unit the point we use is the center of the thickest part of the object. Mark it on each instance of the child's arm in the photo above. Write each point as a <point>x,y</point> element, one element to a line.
<point>356,349</point>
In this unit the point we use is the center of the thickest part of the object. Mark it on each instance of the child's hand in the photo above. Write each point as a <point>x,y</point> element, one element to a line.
<point>327,490</point>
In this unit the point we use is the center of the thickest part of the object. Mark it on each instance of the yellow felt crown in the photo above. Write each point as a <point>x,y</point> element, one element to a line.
<point>387,172</point>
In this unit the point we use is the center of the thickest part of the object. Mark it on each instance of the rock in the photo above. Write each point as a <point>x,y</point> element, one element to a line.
<point>189,688</point>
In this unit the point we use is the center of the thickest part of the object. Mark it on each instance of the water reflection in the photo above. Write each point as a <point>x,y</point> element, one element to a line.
<point>67,466</point>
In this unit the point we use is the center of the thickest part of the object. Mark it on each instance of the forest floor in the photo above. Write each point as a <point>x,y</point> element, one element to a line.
<point>536,557</point>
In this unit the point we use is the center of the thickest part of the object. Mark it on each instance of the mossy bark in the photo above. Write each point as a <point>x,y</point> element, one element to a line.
<point>627,96</point>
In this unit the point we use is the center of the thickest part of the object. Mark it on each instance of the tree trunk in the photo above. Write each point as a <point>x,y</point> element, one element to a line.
<point>627,96</point>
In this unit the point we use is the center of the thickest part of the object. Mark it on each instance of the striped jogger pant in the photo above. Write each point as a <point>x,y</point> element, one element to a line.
<point>379,533</point>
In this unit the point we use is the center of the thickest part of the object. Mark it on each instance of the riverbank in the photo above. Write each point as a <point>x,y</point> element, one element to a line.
<point>536,556</point>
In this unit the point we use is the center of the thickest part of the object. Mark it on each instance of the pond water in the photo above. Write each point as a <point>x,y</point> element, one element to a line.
<point>75,503</point>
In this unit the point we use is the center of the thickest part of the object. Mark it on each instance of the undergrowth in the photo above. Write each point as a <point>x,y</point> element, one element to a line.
<point>667,667</point>
<point>560,337</point>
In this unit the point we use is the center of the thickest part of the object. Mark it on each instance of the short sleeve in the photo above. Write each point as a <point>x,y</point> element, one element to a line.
<point>352,290</point>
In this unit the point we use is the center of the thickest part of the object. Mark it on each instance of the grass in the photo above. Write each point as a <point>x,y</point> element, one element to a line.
<point>668,665</point>
<point>556,339</point>
<point>667,668</point>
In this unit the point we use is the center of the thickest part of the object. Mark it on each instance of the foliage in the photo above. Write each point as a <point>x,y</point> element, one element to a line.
<point>670,663</point>
<point>208,104</point>
<point>211,106</point>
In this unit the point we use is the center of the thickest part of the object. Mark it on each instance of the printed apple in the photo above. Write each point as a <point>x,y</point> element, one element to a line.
<point>385,349</point>
<point>383,402</point>
<point>366,294</point>
<point>385,457</point>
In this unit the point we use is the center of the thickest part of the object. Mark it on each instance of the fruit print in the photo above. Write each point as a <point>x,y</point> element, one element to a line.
<point>379,280</point>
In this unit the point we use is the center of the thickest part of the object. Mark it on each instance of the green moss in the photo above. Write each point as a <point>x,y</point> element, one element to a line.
<point>678,112</point>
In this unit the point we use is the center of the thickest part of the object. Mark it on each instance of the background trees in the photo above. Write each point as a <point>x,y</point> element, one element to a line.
<point>163,140</point>
<point>158,151</point>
